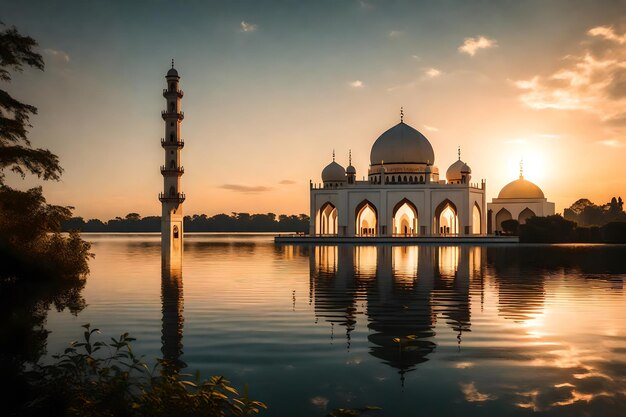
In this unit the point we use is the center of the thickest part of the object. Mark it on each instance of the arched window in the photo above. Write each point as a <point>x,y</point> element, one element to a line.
<point>405,221</point>
<point>172,86</point>
<point>171,137</point>
<point>501,216</point>
<point>366,219</point>
<point>405,178</point>
<point>525,215</point>
<point>175,232</point>
<point>172,106</point>
<point>393,179</point>
<point>446,219</point>
<point>327,220</point>
<point>477,220</point>
<point>172,191</point>
<point>421,178</point>
<point>172,164</point>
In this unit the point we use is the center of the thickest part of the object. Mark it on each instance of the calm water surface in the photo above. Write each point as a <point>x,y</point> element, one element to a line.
<point>429,330</point>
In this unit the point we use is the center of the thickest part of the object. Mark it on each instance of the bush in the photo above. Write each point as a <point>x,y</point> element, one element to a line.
<point>100,379</point>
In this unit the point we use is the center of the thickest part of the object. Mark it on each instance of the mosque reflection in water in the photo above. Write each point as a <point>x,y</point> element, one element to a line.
<point>401,290</point>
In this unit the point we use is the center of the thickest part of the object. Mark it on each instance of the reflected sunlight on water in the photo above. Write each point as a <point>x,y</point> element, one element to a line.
<point>452,331</point>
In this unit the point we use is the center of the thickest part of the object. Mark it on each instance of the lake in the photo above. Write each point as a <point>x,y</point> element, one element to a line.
<point>422,330</point>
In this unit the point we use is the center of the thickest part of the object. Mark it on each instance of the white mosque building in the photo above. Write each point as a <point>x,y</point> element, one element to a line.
<point>518,200</point>
<point>404,195</point>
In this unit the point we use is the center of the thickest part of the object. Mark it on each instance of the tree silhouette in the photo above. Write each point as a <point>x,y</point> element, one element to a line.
<point>16,152</point>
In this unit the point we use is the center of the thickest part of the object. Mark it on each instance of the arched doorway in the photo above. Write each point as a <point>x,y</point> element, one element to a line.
<point>405,219</point>
<point>446,221</point>
<point>501,216</point>
<point>477,220</point>
<point>366,219</point>
<point>525,215</point>
<point>327,220</point>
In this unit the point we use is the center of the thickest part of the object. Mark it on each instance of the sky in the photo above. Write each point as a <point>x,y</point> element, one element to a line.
<point>273,87</point>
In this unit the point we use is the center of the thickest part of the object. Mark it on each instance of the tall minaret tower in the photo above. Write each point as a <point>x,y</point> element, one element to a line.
<point>172,198</point>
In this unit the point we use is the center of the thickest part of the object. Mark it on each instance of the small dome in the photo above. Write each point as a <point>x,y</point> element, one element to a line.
<point>351,170</point>
<point>402,144</point>
<point>172,72</point>
<point>457,171</point>
<point>521,188</point>
<point>333,173</point>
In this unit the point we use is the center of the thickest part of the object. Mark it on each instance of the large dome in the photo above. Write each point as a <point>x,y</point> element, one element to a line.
<point>334,173</point>
<point>402,145</point>
<point>521,188</point>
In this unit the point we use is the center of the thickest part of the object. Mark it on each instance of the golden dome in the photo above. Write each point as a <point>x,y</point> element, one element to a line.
<point>521,188</point>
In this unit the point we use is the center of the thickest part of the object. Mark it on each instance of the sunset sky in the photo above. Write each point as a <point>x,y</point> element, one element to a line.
<point>271,88</point>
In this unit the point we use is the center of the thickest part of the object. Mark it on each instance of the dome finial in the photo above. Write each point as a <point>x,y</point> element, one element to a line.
<point>349,156</point>
<point>459,152</point>
<point>521,168</point>
<point>172,62</point>
<point>333,155</point>
<point>401,114</point>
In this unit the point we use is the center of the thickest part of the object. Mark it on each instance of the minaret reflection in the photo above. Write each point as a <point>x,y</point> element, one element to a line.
<point>402,290</point>
<point>173,319</point>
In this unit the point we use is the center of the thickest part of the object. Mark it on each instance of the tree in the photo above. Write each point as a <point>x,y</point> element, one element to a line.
<point>16,152</point>
<point>133,217</point>
<point>510,227</point>
<point>31,246</point>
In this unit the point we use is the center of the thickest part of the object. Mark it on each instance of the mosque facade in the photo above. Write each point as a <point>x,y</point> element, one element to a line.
<point>404,195</point>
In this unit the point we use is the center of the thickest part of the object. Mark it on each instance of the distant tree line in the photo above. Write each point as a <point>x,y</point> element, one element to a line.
<point>586,213</point>
<point>235,222</point>
<point>582,222</point>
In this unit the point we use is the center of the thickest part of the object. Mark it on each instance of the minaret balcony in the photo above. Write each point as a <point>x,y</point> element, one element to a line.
<point>168,93</point>
<point>166,114</point>
<point>172,198</point>
<point>172,143</point>
<point>172,171</point>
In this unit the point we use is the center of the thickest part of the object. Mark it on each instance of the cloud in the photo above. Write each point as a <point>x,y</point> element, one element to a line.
<point>432,72</point>
<point>248,189</point>
<point>356,84</point>
<point>247,26</point>
<point>593,80</point>
<point>472,395</point>
<point>395,34</point>
<point>472,45</point>
<point>431,128</point>
<point>416,57</point>
<point>287,182</point>
<point>612,143</point>
<point>608,33</point>
<point>57,53</point>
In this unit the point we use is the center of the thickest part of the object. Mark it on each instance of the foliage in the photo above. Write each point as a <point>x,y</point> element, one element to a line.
<point>16,152</point>
<point>31,244</point>
<point>96,378</point>
<point>586,213</point>
<point>236,222</point>
<point>510,227</point>
<point>550,229</point>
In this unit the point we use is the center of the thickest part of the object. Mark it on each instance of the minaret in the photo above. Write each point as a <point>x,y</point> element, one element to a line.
<point>172,198</point>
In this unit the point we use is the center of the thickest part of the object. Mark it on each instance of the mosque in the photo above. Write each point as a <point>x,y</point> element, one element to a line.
<point>404,196</point>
